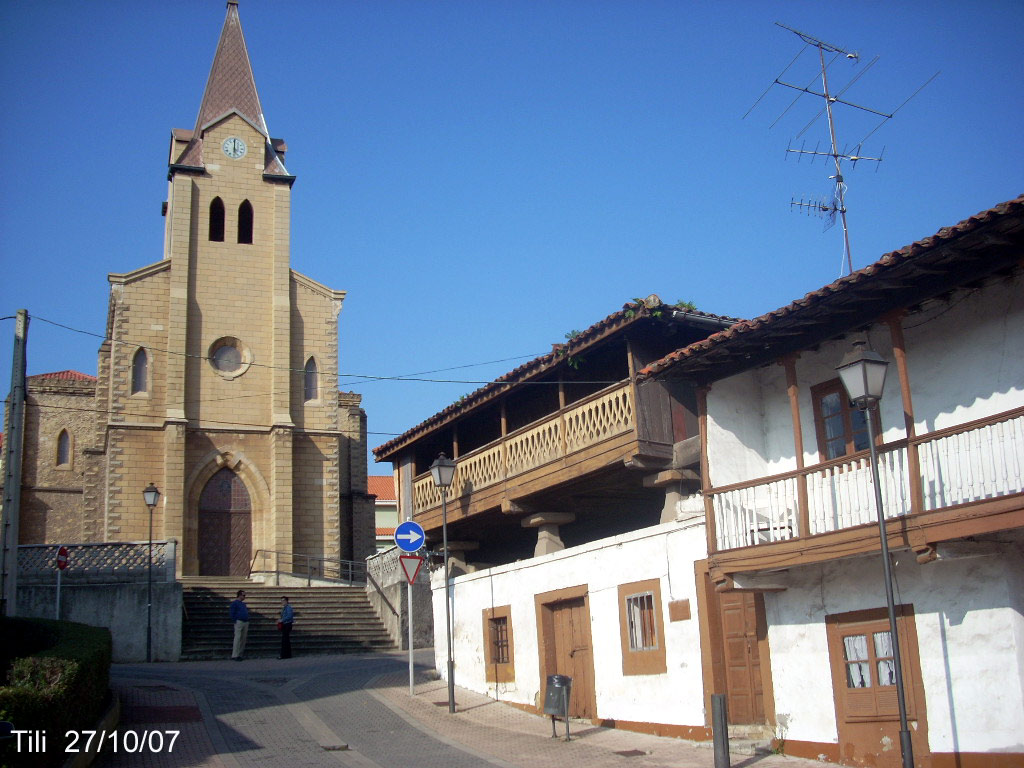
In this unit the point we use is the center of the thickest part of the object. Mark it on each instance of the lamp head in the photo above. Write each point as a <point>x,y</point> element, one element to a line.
<point>151,495</point>
<point>862,372</point>
<point>443,471</point>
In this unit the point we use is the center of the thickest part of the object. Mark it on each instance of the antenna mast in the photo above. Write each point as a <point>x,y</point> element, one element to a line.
<point>837,204</point>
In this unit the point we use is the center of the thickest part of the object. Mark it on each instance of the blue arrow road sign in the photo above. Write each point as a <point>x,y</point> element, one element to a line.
<point>409,536</point>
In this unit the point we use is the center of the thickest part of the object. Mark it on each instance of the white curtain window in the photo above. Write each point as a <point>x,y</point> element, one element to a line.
<point>858,666</point>
<point>886,663</point>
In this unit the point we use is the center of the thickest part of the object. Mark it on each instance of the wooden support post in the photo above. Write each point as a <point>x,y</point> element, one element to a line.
<point>705,476</point>
<point>789,363</point>
<point>899,351</point>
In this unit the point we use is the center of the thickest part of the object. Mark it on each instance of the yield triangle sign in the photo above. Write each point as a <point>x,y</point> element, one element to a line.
<point>411,565</point>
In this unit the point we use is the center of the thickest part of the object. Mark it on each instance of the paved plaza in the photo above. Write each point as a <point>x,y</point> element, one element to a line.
<point>357,711</point>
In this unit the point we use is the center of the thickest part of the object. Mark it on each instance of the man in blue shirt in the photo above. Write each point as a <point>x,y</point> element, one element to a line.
<point>287,619</point>
<point>239,613</point>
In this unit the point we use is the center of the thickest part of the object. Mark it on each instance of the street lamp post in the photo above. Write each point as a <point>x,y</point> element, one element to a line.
<point>862,372</point>
<point>443,472</point>
<point>152,496</point>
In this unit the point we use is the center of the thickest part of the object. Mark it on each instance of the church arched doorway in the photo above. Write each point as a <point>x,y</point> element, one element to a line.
<point>225,526</point>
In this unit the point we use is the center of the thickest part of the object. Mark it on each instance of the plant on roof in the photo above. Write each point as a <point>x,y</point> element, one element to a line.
<point>688,305</point>
<point>636,305</point>
<point>573,361</point>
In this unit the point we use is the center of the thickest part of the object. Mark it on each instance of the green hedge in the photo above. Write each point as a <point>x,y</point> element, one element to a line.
<point>57,676</point>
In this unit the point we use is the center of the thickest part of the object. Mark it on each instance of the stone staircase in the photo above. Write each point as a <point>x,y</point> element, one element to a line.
<point>327,619</point>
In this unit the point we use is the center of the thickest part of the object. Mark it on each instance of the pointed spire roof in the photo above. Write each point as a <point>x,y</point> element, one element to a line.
<point>231,88</point>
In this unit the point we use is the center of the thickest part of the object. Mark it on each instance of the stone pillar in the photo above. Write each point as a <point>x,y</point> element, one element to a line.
<point>279,534</point>
<point>547,523</point>
<point>458,563</point>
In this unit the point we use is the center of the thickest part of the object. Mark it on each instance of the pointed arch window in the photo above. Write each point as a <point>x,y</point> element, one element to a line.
<point>311,381</point>
<point>140,372</point>
<point>245,222</point>
<point>217,220</point>
<point>63,449</point>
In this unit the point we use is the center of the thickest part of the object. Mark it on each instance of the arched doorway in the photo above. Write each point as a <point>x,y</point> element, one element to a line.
<point>225,526</point>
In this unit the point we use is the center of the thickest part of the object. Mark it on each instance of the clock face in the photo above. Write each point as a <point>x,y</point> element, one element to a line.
<point>233,147</point>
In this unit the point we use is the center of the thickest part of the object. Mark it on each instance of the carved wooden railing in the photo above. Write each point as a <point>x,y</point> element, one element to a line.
<point>603,415</point>
<point>982,459</point>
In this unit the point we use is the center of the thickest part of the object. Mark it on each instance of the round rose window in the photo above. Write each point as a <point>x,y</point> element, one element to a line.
<point>229,357</point>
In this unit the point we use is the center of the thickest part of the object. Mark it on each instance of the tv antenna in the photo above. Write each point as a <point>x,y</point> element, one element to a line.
<point>833,203</point>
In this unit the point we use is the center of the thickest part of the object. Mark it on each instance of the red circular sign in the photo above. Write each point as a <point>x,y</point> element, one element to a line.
<point>62,558</point>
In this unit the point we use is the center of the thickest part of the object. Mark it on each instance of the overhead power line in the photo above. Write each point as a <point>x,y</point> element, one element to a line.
<point>366,377</point>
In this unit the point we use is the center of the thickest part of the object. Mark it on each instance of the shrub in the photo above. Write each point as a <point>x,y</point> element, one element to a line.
<point>61,686</point>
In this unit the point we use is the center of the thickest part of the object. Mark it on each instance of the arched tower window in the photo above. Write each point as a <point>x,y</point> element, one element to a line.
<point>63,448</point>
<point>245,222</point>
<point>311,382</point>
<point>217,220</point>
<point>140,372</point>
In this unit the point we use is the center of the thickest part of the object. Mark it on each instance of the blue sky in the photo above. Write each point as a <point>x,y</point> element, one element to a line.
<point>484,176</point>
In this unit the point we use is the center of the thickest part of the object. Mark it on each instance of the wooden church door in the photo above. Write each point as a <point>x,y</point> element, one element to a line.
<point>225,526</point>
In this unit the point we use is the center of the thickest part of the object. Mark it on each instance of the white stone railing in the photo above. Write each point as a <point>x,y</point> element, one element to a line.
<point>972,462</point>
<point>110,562</point>
<point>605,414</point>
<point>384,567</point>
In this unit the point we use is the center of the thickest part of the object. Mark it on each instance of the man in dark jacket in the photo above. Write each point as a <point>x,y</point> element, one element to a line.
<point>240,617</point>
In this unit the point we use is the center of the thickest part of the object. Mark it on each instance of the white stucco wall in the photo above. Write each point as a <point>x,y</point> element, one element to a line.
<point>963,361</point>
<point>736,432</point>
<point>969,629</point>
<point>666,552</point>
<point>983,373</point>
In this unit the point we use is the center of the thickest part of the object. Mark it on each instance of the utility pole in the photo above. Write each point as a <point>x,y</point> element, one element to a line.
<point>12,471</point>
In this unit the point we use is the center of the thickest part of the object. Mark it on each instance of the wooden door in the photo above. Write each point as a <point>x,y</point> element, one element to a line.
<point>742,657</point>
<point>573,655</point>
<point>225,526</point>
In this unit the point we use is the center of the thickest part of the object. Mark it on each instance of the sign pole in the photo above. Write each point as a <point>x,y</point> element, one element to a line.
<point>412,691</point>
<point>409,538</point>
<point>62,563</point>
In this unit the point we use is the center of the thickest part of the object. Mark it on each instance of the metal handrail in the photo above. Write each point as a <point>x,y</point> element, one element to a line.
<point>315,566</point>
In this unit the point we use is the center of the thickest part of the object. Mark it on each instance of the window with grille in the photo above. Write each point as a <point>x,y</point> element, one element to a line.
<point>499,640</point>
<point>499,649</point>
<point>642,628</point>
<point>643,635</point>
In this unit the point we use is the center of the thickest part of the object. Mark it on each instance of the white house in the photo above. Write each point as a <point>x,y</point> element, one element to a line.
<point>761,576</point>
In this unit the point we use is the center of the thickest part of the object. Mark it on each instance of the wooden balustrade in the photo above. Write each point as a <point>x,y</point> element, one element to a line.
<point>982,459</point>
<point>603,415</point>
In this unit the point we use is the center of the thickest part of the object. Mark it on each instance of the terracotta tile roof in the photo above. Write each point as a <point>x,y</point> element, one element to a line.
<point>630,313</point>
<point>386,532</point>
<point>381,486</point>
<point>63,375</point>
<point>987,243</point>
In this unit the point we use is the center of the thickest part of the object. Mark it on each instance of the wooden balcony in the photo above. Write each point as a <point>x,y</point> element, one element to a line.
<point>591,433</point>
<point>970,481</point>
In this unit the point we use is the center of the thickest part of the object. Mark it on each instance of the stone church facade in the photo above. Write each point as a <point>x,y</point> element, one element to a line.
<point>217,379</point>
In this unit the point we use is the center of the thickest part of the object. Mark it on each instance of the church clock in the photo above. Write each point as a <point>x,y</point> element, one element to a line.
<point>233,147</point>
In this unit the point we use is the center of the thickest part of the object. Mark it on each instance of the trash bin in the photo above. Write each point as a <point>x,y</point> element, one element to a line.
<point>556,700</point>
